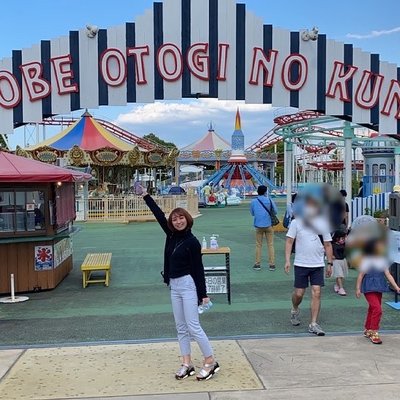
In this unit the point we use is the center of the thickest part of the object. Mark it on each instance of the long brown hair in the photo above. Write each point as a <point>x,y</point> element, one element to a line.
<point>180,212</point>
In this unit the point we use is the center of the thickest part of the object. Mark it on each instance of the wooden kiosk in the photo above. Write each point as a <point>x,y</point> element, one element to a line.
<point>37,208</point>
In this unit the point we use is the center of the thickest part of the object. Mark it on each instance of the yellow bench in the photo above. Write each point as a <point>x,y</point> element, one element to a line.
<point>96,262</point>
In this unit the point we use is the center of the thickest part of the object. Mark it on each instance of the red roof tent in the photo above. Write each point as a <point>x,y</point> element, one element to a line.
<point>20,169</point>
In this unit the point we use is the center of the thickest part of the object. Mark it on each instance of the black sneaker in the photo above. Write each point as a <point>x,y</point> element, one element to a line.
<point>272,268</point>
<point>257,267</point>
<point>184,371</point>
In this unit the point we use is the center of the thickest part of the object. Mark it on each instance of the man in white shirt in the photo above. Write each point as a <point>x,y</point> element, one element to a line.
<point>312,234</point>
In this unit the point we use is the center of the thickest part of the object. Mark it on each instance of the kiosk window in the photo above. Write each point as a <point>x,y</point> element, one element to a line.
<point>7,210</point>
<point>21,211</point>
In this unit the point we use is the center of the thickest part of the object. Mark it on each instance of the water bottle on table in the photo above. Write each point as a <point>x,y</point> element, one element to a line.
<point>213,241</point>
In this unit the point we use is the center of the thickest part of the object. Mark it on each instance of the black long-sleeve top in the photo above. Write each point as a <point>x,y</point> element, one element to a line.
<point>182,252</point>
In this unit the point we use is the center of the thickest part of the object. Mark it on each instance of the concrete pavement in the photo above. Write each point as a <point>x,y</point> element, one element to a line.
<point>331,367</point>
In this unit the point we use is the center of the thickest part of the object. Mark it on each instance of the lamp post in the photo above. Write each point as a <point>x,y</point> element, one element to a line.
<point>397,165</point>
<point>348,134</point>
<point>288,162</point>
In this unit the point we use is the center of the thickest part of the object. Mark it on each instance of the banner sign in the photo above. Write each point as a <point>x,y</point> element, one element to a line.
<point>62,250</point>
<point>43,258</point>
<point>198,48</point>
<point>216,284</point>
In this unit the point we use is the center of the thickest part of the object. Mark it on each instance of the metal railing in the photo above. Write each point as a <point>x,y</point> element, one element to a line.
<point>131,208</point>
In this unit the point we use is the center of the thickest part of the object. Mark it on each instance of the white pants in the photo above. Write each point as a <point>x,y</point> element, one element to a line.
<point>184,305</point>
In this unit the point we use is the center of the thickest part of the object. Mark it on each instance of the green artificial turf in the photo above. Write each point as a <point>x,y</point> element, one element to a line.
<point>136,304</point>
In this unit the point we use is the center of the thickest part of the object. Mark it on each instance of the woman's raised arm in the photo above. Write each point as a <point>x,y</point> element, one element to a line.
<point>157,212</point>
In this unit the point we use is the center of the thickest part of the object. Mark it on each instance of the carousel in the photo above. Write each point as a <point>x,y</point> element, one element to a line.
<point>112,155</point>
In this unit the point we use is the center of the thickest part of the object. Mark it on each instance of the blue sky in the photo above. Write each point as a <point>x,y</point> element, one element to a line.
<point>371,25</point>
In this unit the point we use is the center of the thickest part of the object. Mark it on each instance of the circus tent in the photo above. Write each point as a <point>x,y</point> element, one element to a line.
<point>208,151</point>
<point>87,134</point>
<point>211,141</point>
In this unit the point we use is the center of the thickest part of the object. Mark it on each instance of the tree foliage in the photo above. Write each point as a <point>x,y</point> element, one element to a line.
<point>155,139</point>
<point>3,142</point>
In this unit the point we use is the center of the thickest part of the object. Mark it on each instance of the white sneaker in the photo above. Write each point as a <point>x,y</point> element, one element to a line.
<point>336,288</point>
<point>342,292</point>
<point>316,329</point>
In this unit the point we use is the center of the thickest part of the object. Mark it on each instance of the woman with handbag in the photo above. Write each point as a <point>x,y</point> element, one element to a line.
<point>264,211</point>
<point>184,273</point>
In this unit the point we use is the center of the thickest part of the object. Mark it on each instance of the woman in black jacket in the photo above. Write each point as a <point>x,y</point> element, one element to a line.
<point>184,273</point>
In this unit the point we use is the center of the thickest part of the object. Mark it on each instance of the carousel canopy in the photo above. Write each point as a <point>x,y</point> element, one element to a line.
<point>86,133</point>
<point>20,169</point>
<point>211,141</point>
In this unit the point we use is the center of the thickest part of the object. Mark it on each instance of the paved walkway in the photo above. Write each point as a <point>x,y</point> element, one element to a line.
<point>333,367</point>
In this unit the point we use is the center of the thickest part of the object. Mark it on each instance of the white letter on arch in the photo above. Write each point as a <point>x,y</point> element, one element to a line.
<point>286,72</point>
<point>10,92</point>
<point>365,83</point>
<point>176,72</point>
<point>222,61</point>
<point>199,65</point>
<point>267,63</point>
<point>392,96</point>
<point>138,53</point>
<point>37,87</point>
<point>64,74</point>
<point>339,80</point>
<point>113,60</point>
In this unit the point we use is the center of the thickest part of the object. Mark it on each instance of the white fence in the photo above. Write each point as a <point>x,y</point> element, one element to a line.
<point>368,205</point>
<point>132,208</point>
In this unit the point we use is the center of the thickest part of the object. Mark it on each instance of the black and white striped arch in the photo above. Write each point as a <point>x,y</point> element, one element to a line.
<point>184,48</point>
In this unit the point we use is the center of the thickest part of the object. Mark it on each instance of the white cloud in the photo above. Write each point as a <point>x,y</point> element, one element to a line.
<point>192,112</point>
<point>373,34</point>
<point>184,122</point>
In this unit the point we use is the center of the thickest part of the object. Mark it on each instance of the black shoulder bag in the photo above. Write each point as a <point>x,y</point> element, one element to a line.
<point>274,218</point>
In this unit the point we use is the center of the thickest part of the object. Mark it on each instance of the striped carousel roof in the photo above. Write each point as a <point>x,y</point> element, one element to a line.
<point>211,141</point>
<point>86,133</point>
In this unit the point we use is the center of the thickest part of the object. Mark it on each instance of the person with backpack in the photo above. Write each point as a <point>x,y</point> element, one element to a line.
<point>311,230</point>
<point>264,210</point>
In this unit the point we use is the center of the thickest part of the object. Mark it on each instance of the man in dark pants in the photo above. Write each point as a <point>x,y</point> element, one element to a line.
<point>312,234</point>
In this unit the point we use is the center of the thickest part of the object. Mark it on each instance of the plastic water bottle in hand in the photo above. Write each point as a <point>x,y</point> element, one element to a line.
<point>204,307</point>
<point>139,190</point>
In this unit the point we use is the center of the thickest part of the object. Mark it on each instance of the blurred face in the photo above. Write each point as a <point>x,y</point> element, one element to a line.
<point>341,240</point>
<point>311,209</point>
<point>179,222</point>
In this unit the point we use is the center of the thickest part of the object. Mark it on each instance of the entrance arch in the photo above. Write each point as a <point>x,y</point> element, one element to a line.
<point>197,48</point>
